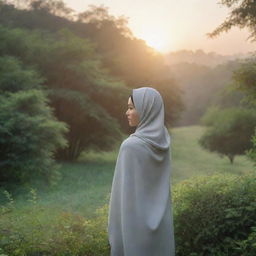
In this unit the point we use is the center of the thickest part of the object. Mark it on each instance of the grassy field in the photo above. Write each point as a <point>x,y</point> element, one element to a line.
<point>189,159</point>
<point>86,185</point>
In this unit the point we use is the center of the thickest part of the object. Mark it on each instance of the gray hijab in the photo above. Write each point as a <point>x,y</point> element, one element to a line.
<point>140,221</point>
<point>149,104</point>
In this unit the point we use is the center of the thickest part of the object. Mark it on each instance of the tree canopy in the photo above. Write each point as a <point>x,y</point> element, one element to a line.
<point>29,132</point>
<point>121,53</point>
<point>229,131</point>
<point>242,14</point>
<point>88,62</point>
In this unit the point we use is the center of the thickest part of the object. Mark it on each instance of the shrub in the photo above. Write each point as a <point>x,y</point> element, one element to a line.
<point>29,136</point>
<point>251,153</point>
<point>29,132</point>
<point>29,231</point>
<point>215,215</point>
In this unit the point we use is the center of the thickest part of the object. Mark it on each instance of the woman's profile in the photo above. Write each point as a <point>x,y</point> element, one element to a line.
<point>140,220</point>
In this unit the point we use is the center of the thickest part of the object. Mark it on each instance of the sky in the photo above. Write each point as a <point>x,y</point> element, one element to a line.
<point>172,25</point>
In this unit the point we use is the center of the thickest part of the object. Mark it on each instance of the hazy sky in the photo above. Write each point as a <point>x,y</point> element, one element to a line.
<point>170,25</point>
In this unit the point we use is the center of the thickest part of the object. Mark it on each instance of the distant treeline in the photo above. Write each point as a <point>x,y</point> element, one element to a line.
<point>199,57</point>
<point>204,86</point>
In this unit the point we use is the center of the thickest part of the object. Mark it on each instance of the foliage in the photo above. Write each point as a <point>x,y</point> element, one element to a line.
<point>122,54</point>
<point>68,234</point>
<point>252,152</point>
<point>244,80</point>
<point>15,77</point>
<point>202,87</point>
<point>229,97</point>
<point>242,15</point>
<point>229,131</point>
<point>132,60</point>
<point>248,245</point>
<point>215,215</point>
<point>170,92</point>
<point>80,89</point>
<point>39,218</point>
<point>29,133</point>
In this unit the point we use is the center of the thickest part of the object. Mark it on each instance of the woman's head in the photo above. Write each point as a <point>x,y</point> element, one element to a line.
<point>144,105</point>
<point>149,117</point>
<point>149,105</point>
<point>131,113</point>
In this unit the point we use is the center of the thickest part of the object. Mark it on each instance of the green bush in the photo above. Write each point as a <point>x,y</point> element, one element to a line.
<point>29,136</point>
<point>251,153</point>
<point>29,132</point>
<point>30,231</point>
<point>215,215</point>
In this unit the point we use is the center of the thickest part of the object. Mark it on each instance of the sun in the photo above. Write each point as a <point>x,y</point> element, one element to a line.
<point>156,43</point>
<point>157,38</point>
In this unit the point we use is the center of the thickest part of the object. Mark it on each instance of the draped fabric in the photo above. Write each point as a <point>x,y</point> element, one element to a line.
<point>140,220</point>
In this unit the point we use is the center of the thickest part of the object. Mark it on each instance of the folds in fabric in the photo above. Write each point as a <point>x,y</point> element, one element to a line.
<point>140,221</point>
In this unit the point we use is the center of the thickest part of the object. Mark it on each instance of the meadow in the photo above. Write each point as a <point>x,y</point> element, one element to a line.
<point>70,218</point>
<point>86,184</point>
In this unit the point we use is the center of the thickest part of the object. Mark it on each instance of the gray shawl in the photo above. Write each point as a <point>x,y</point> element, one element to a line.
<point>140,220</point>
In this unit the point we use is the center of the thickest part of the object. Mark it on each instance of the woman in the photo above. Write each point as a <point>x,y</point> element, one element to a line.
<point>140,221</point>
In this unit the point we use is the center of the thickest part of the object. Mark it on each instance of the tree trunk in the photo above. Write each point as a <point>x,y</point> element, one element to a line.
<point>231,158</point>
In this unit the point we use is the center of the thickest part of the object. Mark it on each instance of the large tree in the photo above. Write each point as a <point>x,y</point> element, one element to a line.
<point>79,87</point>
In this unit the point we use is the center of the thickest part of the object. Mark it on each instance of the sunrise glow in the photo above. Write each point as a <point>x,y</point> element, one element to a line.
<point>156,43</point>
<point>157,39</point>
<point>175,25</point>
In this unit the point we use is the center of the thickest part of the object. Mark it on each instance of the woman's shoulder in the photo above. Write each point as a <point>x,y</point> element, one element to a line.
<point>132,143</point>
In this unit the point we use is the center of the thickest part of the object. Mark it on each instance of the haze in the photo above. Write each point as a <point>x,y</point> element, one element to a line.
<point>169,25</point>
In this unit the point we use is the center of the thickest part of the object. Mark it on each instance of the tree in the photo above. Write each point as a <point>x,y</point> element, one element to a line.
<point>243,15</point>
<point>81,91</point>
<point>29,132</point>
<point>124,56</point>
<point>56,7</point>
<point>229,131</point>
<point>244,79</point>
<point>131,59</point>
<point>80,88</point>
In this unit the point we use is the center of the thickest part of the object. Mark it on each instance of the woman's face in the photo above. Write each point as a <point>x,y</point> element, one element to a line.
<point>132,114</point>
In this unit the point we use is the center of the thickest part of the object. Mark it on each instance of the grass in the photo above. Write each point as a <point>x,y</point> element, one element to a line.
<point>84,187</point>
<point>62,220</point>
<point>86,184</point>
<point>190,160</point>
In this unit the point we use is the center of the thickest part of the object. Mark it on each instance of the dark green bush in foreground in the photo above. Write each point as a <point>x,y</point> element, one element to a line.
<point>216,216</point>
